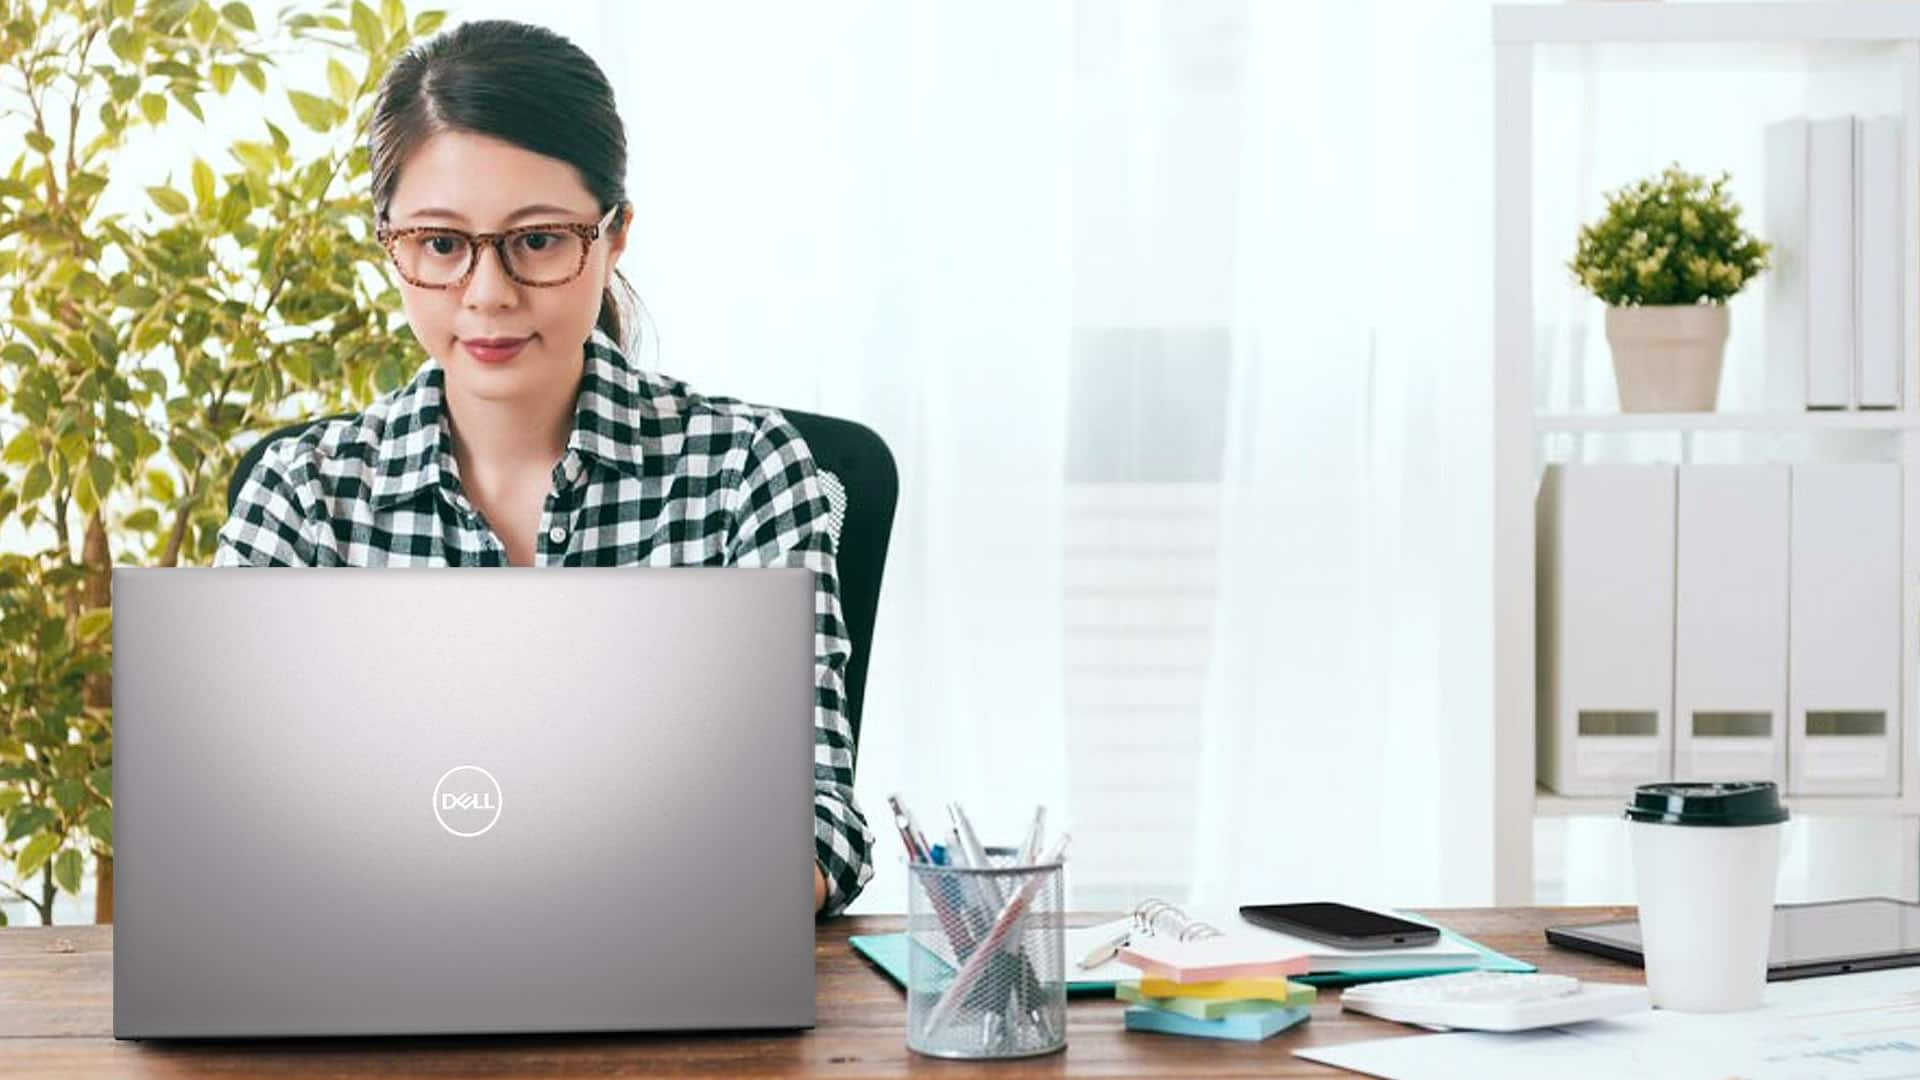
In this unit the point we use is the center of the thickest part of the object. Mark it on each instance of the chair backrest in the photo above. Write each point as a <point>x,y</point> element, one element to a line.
<point>862,483</point>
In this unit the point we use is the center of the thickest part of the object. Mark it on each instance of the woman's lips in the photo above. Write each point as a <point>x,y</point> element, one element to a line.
<point>493,350</point>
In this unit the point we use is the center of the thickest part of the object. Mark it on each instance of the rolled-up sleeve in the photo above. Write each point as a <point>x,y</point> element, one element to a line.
<point>784,521</point>
<point>268,526</point>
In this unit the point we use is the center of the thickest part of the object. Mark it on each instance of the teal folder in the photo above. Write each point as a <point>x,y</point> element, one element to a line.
<point>888,952</point>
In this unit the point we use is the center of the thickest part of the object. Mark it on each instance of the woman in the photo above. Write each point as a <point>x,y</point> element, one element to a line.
<point>527,439</point>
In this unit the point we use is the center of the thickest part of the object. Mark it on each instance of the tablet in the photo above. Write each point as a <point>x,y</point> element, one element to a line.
<point>1808,939</point>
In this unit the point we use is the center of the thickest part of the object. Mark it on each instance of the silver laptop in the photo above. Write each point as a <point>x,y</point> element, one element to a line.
<point>448,801</point>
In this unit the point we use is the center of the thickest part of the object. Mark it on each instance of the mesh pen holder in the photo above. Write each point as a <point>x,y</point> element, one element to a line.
<point>986,959</point>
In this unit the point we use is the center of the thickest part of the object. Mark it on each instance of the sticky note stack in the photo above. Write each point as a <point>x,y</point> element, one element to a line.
<point>1248,1009</point>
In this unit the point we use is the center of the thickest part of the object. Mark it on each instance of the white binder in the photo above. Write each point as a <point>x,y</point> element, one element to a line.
<point>1785,284</point>
<point>1830,263</point>
<point>1844,642</point>
<point>1878,275</point>
<point>1605,593</point>
<point>1730,624</point>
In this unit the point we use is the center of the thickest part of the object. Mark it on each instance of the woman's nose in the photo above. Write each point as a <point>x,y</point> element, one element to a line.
<point>490,286</point>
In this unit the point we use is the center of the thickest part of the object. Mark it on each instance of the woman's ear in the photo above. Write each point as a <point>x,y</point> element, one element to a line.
<point>617,237</point>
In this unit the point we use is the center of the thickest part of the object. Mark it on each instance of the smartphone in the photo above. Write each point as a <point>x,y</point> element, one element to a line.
<point>1338,924</point>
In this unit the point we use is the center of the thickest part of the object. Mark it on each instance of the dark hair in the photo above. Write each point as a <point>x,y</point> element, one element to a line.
<point>521,84</point>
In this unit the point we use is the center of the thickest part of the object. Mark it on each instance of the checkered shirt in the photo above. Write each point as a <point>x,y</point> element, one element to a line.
<point>653,474</point>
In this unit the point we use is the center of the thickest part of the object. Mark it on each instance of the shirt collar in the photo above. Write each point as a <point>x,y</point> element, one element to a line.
<point>620,419</point>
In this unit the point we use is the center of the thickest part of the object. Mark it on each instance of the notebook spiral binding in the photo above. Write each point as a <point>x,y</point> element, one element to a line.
<point>1161,918</point>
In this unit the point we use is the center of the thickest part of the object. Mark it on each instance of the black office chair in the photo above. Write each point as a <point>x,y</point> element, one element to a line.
<point>862,484</point>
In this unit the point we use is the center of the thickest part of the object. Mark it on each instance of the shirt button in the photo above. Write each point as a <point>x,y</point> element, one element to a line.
<point>557,534</point>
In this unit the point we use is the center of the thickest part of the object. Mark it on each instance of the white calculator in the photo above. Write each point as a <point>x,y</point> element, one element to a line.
<point>1494,1000</point>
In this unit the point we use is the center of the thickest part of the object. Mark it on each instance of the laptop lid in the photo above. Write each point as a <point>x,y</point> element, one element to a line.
<point>462,800</point>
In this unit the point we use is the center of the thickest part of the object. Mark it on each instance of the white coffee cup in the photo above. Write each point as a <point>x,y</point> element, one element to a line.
<point>1704,861</point>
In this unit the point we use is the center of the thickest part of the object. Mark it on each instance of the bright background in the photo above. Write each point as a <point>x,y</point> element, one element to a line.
<point>1176,314</point>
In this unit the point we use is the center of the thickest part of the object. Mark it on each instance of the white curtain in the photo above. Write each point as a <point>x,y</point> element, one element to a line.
<point>860,210</point>
<point>965,225</point>
<point>1348,722</point>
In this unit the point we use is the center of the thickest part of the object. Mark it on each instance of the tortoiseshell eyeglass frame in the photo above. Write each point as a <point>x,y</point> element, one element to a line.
<point>388,237</point>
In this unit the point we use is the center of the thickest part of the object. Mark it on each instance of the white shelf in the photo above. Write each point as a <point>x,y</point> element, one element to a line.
<point>1705,22</point>
<point>1887,420</point>
<point>1547,804</point>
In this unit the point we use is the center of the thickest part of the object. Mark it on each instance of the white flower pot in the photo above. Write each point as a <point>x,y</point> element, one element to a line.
<point>1667,358</point>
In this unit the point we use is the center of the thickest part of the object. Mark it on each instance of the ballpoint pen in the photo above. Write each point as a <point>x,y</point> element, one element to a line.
<point>975,851</point>
<point>1031,849</point>
<point>947,905</point>
<point>1106,950</point>
<point>1011,915</point>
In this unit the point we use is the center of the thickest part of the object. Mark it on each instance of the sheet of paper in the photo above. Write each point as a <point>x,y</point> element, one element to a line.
<point>1848,1027</point>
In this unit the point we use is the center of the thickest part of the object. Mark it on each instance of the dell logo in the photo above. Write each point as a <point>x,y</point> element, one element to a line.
<point>467,800</point>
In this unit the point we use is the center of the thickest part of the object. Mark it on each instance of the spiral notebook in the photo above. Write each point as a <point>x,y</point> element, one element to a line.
<point>1164,938</point>
<point>1166,925</point>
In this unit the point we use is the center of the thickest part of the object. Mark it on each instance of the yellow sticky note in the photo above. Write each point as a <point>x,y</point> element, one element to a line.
<point>1275,990</point>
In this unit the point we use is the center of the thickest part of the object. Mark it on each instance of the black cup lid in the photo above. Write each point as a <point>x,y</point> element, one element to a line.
<point>1737,802</point>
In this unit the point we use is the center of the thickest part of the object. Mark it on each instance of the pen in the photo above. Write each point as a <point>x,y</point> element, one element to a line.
<point>941,893</point>
<point>908,834</point>
<point>991,945</point>
<point>1105,951</point>
<point>975,851</point>
<point>1031,848</point>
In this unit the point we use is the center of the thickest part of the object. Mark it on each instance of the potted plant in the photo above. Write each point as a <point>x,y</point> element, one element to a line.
<point>1665,258</point>
<point>134,364</point>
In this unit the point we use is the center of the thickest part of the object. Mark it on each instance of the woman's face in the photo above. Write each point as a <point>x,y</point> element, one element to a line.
<point>477,184</point>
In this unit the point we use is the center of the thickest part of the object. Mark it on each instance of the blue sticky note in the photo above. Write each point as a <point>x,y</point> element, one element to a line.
<point>1245,1027</point>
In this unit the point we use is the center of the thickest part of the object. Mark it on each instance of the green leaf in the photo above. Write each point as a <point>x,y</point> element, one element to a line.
<point>100,471</point>
<point>189,102</point>
<point>67,870</point>
<point>238,15</point>
<point>256,156</point>
<point>102,781</point>
<point>27,820</point>
<point>39,480</point>
<point>145,519</point>
<point>99,620</point>
<point>160,483</point>
<point>204,21</point>
<point>427,22</point>
<point>342,82</point>
<point>366,28</point>
<point>314,111</point>
<point>154,108</point>
<point>255,77</point>
<point>35,855</point>
<point>122,8</point>
<point>222,76</point>
<point>39,142</point>
<point>136,297</point>
<point>168,199</point>
<point>22,449</point>
<point>202,182</point>
<point>394,14</point>
<point>99,822</point>
<point>69,794</point>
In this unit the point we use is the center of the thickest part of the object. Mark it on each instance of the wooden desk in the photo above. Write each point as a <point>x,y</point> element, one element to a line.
<point>56,1020</point>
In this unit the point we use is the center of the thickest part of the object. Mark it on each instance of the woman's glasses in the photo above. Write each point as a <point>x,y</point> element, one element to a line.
<point>433,257</point>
